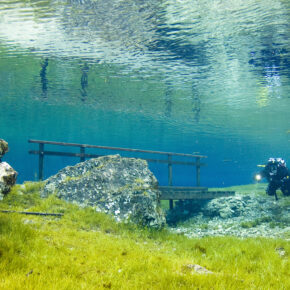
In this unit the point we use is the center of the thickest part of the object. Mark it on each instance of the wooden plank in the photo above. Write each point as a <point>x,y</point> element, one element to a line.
<point>197,171</point>
<point>182,188</point>
<point>170,178</point>
<point>82,154</point>
<point>228,192</point>
<point>167,195</point>
<point>172,162</point>
<point>114,148</point>
<point>86,155</point>
<point>40,161</point>
<point>68,154</point>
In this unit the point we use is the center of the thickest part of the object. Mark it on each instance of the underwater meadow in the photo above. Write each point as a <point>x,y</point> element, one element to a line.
<point>207,78</point>
<point>88,250</point>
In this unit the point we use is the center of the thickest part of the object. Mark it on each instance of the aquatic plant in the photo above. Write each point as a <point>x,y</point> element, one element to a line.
<point>89,250</point>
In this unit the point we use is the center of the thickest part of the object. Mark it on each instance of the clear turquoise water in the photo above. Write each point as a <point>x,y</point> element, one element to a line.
<point>181,76</point>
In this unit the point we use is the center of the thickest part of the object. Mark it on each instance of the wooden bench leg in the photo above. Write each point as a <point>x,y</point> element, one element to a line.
<point>170,204</point>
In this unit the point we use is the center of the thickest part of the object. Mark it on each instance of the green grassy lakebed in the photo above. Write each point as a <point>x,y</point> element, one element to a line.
<point>89,250</point>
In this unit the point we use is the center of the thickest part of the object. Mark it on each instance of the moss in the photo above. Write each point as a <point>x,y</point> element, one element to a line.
<point>133,187</point>
<point>71,178</point>
<point>204,226</point>
<point>23,196</point>
<point>258,189</point>
<point>100,166</point>
<point>249,224</point>
<point>74,178</point>
<point>123,188</point>
<point>256,222</point>
<point>139,181</point>
<point>285,202</point>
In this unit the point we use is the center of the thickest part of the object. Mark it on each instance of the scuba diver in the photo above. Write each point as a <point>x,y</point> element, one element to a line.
<point>278,176</point>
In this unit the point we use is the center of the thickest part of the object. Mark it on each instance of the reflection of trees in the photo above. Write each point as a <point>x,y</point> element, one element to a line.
<point>43,78</point>
<point>134,25</point>
<point>84,81</point>
<point>271,58</point>
<point>269,61</point>
<point>196,104</point>
<point>168,99</point>
<point>127,23</point>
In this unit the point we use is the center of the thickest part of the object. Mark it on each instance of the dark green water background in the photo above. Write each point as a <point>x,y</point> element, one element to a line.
<point>182,76</point>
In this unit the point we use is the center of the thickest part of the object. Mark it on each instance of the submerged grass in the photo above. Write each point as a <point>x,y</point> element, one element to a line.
<point>256,188</point>
<point>89,250</point>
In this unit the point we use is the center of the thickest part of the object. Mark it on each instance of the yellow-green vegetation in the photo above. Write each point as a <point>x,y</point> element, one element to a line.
<point>256,222</point>
<point>139,180</point>
<point>74,178</point>
<point>256,188</point>
<point>282,223</point>
<point>88,250</point>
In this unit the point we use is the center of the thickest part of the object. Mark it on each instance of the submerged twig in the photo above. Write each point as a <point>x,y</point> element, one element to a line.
<point>32,213</point>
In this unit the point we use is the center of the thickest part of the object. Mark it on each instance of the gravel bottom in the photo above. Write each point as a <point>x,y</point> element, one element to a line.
<point>199,227</point>
<point>241,216</point>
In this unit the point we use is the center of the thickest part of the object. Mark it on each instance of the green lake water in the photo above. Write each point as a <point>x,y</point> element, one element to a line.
<point>180,76</point>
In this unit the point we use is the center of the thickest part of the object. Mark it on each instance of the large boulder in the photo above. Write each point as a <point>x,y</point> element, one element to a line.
<point>123,187</point>
<point>7,178</point>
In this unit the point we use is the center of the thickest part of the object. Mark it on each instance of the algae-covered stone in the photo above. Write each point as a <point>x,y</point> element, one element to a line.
<point>3,147</point>
<point>7,178</point>
<point>7,174</point>
<point>225,207</point>
<point>123,187</point>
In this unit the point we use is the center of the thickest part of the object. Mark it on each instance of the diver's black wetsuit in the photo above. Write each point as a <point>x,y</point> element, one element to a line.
<point>278,176</point>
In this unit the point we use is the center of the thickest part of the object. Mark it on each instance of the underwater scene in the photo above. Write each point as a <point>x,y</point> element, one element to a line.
<point>144,144</point>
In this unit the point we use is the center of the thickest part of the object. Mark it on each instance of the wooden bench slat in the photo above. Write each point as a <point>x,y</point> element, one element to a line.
<point>182,188</point>
<point>176,193</point>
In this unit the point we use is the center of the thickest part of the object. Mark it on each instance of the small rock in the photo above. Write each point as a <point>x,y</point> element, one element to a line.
<point>7,177</point>
<point>3,148</point>
<point>281,251</point>
<point>196,268</point>
<point>27,221</point>
<point>29,273</point>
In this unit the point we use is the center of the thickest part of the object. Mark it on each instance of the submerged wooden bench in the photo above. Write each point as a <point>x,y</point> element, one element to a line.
<point>182,192</point>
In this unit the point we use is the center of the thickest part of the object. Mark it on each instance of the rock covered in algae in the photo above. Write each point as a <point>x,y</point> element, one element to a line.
<point>7,174</point>
<point>7,178</point>
<point>3,147</point>
<point>226,207</point>
<point>223,207</point>
<point>123,187</point>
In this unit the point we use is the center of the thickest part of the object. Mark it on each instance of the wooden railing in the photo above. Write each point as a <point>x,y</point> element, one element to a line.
<point>41,152</point>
